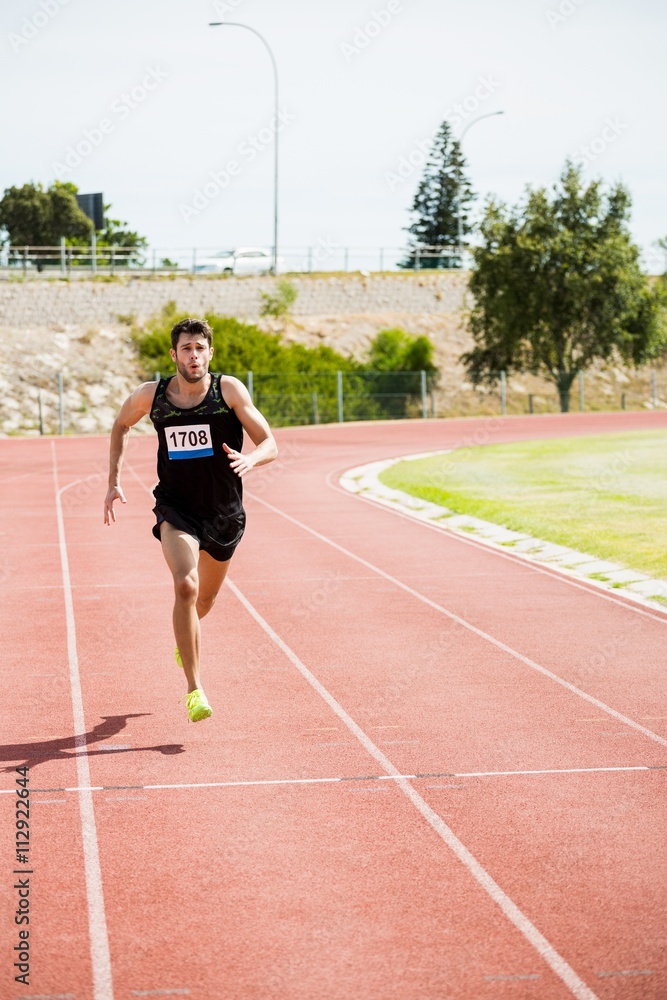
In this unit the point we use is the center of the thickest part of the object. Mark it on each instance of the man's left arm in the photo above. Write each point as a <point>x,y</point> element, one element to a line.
<point>256,427</point>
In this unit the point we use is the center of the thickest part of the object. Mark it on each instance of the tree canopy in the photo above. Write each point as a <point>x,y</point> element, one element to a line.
<point>31,216</point>
<point>557,285</point>
<point>443,190</point>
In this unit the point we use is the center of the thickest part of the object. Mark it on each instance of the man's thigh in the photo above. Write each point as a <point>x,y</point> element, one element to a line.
<point>212,573</point>
<point>181,550</point>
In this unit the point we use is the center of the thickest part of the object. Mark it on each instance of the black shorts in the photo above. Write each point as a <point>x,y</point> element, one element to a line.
<point>218,535</point>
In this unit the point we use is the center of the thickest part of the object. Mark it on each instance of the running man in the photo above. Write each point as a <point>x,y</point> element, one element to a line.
<point>200,417</point>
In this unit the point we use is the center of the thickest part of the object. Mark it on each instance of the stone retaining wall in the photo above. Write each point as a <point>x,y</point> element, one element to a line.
<point>42,302</point>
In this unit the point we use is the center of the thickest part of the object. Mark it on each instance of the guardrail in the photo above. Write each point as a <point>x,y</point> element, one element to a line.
<point>67,261</point>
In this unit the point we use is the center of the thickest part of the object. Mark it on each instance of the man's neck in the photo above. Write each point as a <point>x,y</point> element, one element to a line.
<point>192,390</point>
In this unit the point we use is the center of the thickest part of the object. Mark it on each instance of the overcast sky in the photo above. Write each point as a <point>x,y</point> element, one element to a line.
<point>155,102</point>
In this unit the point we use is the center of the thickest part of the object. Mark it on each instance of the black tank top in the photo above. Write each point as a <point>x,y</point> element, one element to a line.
<point>192,466</point>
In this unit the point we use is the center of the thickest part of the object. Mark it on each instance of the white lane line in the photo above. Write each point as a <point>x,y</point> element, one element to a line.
<point>514,557</point>
<point>554,960</point>
<point>97,922</point>
<point>556,770</point>
<point>467,625</point>
<point>352,777</point>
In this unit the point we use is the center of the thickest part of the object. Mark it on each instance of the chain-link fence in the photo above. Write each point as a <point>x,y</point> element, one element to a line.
<point>596,390</point>
<point>328,397</point>
<point>41,401</point>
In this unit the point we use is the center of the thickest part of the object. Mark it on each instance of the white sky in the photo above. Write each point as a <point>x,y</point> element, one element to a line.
<point>354,113</point>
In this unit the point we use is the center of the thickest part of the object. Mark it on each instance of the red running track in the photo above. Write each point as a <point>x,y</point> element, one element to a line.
<point>433,770</point>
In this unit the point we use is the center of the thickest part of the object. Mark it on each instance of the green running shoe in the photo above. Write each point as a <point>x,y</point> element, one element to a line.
<point>197,705</point>
<point>178,657</point>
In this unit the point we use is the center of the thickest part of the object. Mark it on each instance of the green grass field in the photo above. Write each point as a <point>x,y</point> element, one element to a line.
<point>606,495</point>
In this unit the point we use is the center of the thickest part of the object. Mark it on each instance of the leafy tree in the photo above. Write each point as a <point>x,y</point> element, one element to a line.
<point>442,190</point>
<point>557,285</point>
<point>114,234</point>
<point>31,216</point>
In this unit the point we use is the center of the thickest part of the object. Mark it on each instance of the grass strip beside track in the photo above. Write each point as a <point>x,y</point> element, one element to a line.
<point>605,495</point>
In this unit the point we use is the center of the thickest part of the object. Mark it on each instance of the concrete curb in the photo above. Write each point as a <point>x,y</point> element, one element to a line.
<point>611,577</point>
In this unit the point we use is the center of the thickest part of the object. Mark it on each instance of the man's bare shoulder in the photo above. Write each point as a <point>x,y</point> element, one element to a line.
<point>233,389</point>
<point>144,395</point>
<point>137,405</point>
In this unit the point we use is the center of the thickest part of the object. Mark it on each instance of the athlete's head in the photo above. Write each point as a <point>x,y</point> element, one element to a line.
<point>191,348</point>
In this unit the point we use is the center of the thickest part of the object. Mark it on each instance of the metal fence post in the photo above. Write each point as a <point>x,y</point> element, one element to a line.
<point>316,416</point>
<point>63,258</point>
<point>424,404</point>
<point>250,386</point>
<point>381,260</point>
<point>339,392</point>
<point>503,393</point>
<point>93,252</point>
<point>61,409</point>
<point>194,260</point>
<point>346,259</point>
<point>310,260</point>
<point>581,391</point>
<point>530,402</point>
<point>654,389</point>
<point>39,410</point>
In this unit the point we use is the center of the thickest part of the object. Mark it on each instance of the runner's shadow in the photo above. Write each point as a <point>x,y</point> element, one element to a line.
<point>31,754</point>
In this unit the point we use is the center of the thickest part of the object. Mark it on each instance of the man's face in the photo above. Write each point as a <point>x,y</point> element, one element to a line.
<point>192,357</point>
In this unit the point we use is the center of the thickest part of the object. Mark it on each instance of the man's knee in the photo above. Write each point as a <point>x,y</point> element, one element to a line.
<point>205,602</point>
<point>187,586</point>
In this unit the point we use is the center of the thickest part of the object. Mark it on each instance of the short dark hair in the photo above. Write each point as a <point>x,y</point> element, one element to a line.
<point>197,326</point>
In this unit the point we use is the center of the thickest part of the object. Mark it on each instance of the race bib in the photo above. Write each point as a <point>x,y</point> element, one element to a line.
<point>191,441</point>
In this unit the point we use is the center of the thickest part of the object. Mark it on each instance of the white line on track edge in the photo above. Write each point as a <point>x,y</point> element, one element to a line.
<point>471,628</point>
<point>554,960</point>
<point>97,923</point>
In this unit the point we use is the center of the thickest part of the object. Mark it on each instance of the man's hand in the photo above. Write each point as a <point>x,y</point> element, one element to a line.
<point>114,493</point>
<point>238,462</point>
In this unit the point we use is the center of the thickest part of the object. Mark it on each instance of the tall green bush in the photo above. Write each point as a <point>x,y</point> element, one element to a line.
<point>295,384</point>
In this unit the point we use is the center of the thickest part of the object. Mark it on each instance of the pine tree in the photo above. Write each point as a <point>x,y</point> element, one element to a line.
<point>442,189</point>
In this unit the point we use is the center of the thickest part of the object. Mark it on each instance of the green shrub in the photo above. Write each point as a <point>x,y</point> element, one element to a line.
<point>278,304</point>
<point>295,384</point>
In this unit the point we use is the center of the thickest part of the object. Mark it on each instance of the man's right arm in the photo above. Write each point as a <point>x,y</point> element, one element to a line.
<point>133,409</point>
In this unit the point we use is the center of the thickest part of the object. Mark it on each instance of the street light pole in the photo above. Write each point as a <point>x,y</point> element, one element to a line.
<point>490,114</point>
<point>237,24</point>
